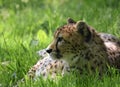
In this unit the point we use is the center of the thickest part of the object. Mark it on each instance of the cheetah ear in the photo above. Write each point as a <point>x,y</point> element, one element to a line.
<point>84,30</point>
<point>70,20</point>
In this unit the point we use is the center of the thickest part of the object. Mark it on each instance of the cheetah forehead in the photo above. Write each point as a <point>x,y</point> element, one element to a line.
<point>69,28</point>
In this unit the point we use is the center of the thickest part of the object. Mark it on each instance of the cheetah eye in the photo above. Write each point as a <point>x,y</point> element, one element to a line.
<point>60,39</point>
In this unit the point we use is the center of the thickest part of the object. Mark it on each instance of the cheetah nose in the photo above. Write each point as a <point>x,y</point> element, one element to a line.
<point>49,50</point>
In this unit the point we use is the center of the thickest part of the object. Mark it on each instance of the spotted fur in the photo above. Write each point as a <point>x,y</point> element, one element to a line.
<point>79,46</point>
<point>84,48</point>
<point>113,49</point>
<point>48,67</point>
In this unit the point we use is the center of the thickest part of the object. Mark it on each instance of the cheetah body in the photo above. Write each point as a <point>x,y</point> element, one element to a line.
<point>78,46</point>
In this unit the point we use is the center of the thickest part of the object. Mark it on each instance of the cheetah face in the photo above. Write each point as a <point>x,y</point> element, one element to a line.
<point>69,40</point>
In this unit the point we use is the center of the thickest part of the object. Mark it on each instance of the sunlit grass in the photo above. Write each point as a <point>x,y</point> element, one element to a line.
<point>26,26</point>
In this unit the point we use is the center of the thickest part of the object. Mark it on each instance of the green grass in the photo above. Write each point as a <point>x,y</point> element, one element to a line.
<point>26,27</point>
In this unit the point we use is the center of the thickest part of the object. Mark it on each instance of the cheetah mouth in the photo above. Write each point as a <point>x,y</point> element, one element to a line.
<point>56,55</point>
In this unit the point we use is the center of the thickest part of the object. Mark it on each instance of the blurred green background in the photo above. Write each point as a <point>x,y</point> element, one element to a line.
<point>27,26</point>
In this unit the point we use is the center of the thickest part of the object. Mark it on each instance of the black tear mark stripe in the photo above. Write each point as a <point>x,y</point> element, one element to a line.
<point>56,45</point>
<point>57,50</point>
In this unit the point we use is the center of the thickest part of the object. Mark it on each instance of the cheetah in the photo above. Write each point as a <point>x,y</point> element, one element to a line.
<point>84,48</point>
<point>77,45</point>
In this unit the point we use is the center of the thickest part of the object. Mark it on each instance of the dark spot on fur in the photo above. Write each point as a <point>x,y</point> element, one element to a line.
<point>113,53</point>
<point>104,49</point>
<point>33,70</point>
<point>110,53</point>
<point>93,30</point>
<point>61,61</point>
<point>55,72</point>
<point>113,38</point>
<point>41,63</point>
<point>62,67</point>
<point>99,63</point>
<point>55,66</point>
<point>45,65</point>
<point>44,74</point>
<point>95,61</point>
<point>119,52</point>
<point>92,68</point>
<point>118,43</point>
<point>51,66</point>
<point>87,56</point>
<point>80,70</point>
<point>85,66</point>
<point>56,61</point>
<point>109,39</point>
<point>74,57</point>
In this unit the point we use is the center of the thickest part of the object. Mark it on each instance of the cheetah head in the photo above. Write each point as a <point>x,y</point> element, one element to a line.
<point>70,39</point>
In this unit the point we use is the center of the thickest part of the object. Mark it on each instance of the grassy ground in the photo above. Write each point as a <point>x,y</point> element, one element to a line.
<point>27,26</point>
